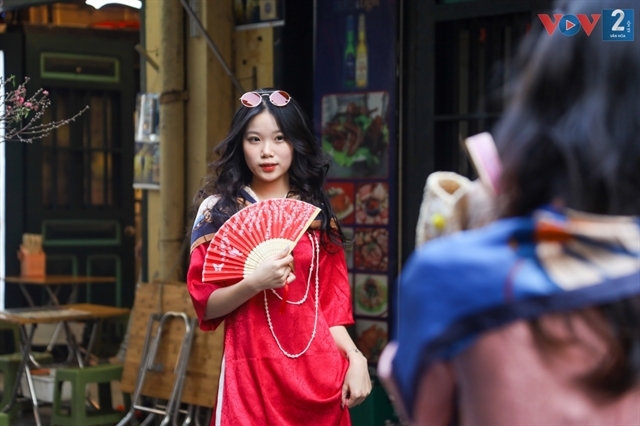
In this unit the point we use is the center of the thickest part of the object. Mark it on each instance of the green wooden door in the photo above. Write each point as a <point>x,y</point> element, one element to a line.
<point>79,191</point>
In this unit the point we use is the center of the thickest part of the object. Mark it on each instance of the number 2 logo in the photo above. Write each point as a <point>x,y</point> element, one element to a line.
<point>616,26</point>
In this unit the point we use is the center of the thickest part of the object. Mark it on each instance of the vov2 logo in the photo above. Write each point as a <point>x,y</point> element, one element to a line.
<point>617,24</point>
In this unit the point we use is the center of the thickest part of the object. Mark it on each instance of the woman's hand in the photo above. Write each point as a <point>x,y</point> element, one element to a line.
<point>274,273</point>
<point>357,383</point>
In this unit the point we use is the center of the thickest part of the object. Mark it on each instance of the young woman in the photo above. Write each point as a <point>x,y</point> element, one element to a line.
<point>299,367</point>
<point>535,318</point>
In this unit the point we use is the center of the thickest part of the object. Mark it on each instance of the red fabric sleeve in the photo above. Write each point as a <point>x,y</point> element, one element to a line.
<point>335,291</point>
<point>199,291</point>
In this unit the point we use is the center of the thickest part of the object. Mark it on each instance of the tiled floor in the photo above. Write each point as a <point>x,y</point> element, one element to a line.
<point>27,418</point>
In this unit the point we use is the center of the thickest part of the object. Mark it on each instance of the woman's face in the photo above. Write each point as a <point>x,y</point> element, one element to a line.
<point>266,151</point>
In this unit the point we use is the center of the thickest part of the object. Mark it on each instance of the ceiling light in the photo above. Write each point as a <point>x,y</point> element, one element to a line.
<point>137,4</point>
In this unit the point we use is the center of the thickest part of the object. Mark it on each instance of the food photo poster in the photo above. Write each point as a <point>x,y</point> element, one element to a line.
<point>355,119</point>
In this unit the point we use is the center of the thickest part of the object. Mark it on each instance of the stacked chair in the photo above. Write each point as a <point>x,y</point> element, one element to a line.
<point>171,410</point>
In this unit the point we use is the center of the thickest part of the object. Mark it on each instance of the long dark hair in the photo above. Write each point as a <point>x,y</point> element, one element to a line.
<point>229,173</point>
<point>571,132</point>
<point>572,126</point>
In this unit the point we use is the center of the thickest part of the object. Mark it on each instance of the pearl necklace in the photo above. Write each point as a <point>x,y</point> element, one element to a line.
<point>315,248</point>
<point>306,293</point>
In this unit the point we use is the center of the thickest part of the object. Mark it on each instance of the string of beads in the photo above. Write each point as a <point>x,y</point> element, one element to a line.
<point>315,248</point>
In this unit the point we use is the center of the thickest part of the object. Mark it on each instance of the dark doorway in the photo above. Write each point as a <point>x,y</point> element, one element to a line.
<point>75,186</point>
<point>457,57</point>
<point>293,52</point>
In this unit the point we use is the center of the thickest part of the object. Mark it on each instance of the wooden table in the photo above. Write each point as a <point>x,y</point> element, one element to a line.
<point>48,281</point>
<point>74,312</point>
<point>33,316</point>
<point>59,279</point>
<point>52,280</point>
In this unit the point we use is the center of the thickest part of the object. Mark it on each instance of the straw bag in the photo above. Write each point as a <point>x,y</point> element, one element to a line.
<point>452,203</point>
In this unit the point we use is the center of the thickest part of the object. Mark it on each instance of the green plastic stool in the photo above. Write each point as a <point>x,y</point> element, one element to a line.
<point>79,378</point>
<point>9,365</point>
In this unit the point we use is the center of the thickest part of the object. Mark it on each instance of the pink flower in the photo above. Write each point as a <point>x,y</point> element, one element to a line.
<point>27,104</point>
<point>44,92</point>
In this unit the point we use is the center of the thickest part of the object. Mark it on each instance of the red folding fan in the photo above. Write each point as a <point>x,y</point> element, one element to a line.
<point>255,234</point>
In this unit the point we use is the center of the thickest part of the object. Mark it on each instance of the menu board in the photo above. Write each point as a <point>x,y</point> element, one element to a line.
<point>355,116</point>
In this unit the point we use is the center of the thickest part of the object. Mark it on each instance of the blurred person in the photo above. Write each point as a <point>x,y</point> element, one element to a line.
<point>535,318</point>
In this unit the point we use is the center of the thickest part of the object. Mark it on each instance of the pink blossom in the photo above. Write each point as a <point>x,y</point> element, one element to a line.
<point>20,108</point>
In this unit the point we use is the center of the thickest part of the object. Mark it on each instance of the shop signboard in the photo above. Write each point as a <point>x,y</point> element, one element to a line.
<point>355,116</point>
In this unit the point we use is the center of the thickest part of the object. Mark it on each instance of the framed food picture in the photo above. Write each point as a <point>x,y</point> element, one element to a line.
<point>355,134</point>
<point>371,249</point>
<point>371,338</point>
<point>341,196</point>
<point>371,295</point>
<point>372,203</point>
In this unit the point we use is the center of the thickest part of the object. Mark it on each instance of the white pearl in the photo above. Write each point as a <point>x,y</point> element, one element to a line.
<point>315,248</point>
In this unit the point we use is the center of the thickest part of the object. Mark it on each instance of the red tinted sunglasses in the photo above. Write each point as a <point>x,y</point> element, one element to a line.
<point>278,98</point>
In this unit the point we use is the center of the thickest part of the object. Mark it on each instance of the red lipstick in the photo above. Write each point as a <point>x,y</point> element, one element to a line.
<point>268,167</point>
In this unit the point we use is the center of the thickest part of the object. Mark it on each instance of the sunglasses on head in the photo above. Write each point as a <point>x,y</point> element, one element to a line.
<point>278,98</point>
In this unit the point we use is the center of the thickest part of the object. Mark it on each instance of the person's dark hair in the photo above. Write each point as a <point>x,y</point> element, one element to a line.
<point>229,173</point>
<point>571,132</point>
<point>571,129</point>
